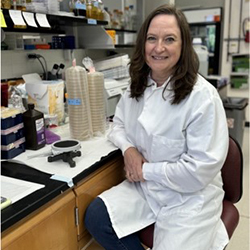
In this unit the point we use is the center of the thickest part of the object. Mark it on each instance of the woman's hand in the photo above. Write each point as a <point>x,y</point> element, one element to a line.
<point>133,161</point>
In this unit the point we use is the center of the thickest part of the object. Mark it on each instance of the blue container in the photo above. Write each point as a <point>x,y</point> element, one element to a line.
<point>12,134</point>
<point>11,121</point>
<point>13,149</point>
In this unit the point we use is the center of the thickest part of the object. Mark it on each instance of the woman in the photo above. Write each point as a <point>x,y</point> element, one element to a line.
<point>171,128</point>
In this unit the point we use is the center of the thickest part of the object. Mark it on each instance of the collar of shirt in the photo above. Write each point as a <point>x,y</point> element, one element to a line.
<point>153,84</point>
<point>152,88</point>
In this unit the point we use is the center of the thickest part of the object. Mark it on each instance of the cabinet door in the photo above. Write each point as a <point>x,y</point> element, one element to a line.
<point>107,176</point>
<point>52,227</point>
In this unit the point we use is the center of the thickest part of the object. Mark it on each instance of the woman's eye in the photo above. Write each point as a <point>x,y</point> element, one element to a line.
<point>169,39</point>
<point>150,38</point>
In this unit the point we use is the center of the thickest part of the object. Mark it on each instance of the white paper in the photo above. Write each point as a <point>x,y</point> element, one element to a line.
<point>92,151</point>
<point>16,16</point>
<point>42,20</point>
<point>32,78</point>
<point>30,19</point>
<point>15,189</point>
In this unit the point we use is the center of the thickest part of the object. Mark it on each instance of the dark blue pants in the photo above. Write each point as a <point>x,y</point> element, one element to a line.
<point>98,224</point>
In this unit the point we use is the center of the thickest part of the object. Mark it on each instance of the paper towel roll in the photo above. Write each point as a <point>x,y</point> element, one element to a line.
<point>97,102</point>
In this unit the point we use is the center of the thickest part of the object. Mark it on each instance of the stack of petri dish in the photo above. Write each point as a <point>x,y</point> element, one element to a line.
<point>97,102</point>
<point>78,103</point>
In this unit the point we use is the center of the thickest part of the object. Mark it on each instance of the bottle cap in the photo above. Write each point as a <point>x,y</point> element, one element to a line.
<point>31,105</point>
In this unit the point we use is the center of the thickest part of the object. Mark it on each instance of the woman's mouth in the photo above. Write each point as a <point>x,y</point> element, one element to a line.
<point>159,57</point>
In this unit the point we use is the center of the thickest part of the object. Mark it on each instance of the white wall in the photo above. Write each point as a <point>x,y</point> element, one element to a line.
<point>15,62</point>
<point>152,4</point>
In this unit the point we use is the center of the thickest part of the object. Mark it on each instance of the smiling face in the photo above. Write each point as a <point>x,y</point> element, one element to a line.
<point>163,46</point>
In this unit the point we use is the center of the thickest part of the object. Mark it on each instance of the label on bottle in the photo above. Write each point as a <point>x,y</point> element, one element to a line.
<point>40,131</point>
<point>80,6</point>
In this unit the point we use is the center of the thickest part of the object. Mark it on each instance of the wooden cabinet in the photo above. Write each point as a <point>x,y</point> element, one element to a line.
<point>107,176</point>
<point>59,224</point>
<point>52,227</point>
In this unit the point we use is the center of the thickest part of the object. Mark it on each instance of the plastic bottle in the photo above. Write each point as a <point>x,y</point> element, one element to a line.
<point>34,127</point>
<point>129,17</point>
<point>94,9</point>
<point>107,17</point>
<point>100,15</point>
<point>133,18</point>
<point>6,4</point>
<point>89,9</point>
<point>126,18</point>
<point>121,19</point>
<point>115,21</point>
<point>19,5</point>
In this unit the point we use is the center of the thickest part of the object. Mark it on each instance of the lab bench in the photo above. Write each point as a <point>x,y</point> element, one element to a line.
<point>53,217</point>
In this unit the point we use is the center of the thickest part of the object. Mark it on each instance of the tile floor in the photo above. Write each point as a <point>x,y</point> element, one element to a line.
<point>240,238</point>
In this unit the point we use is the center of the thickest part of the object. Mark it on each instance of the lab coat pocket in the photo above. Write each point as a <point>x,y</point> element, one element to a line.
<point>189,206</point>
<point>165,149</point>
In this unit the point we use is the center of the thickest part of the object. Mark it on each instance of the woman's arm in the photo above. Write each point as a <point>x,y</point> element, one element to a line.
<point>207,146</point>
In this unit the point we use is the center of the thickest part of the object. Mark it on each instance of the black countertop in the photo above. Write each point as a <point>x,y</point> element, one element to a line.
<point>20,209</point>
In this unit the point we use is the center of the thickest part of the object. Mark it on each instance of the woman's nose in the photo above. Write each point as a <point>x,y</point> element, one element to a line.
<point>159,46</point>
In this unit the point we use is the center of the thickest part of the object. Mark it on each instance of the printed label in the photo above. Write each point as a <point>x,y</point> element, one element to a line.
<point>40,131</point>
<point>92,21</point>
<point>74,102</point>
<point>80,6</point>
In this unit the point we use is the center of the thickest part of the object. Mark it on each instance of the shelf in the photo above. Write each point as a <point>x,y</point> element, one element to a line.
<point>204,23</point>
<point>88,33</point>
<point>122,30</point>
<point>57,23</point>
<point>239,73</point>
<point>240,55</point>
<point>124,46</point>
<point>92,37</point>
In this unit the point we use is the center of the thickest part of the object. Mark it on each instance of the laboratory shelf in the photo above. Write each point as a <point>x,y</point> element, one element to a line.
<point>57,23</point>
<point>122,30</point>
<point>239,73</point>
<point>124,46</point>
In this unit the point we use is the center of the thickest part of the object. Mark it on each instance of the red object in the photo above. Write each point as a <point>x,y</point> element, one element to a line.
<point>4,94</point>
<point>247,36</point>
<point>42,46</point>
<point>217,18</point>
<point>246,31</point>
<point>232,185</point>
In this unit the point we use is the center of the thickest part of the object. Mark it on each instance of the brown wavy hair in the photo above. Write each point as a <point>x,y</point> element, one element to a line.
<point>185,71</point>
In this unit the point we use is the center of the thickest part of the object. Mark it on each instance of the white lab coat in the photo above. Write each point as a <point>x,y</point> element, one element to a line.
<point>185,146</point>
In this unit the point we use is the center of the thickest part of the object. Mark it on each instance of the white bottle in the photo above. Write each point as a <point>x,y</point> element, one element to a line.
<point>133,18</point>
<point>126,18</point>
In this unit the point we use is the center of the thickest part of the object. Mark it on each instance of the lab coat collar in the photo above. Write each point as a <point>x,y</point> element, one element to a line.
<point>153,84</point>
